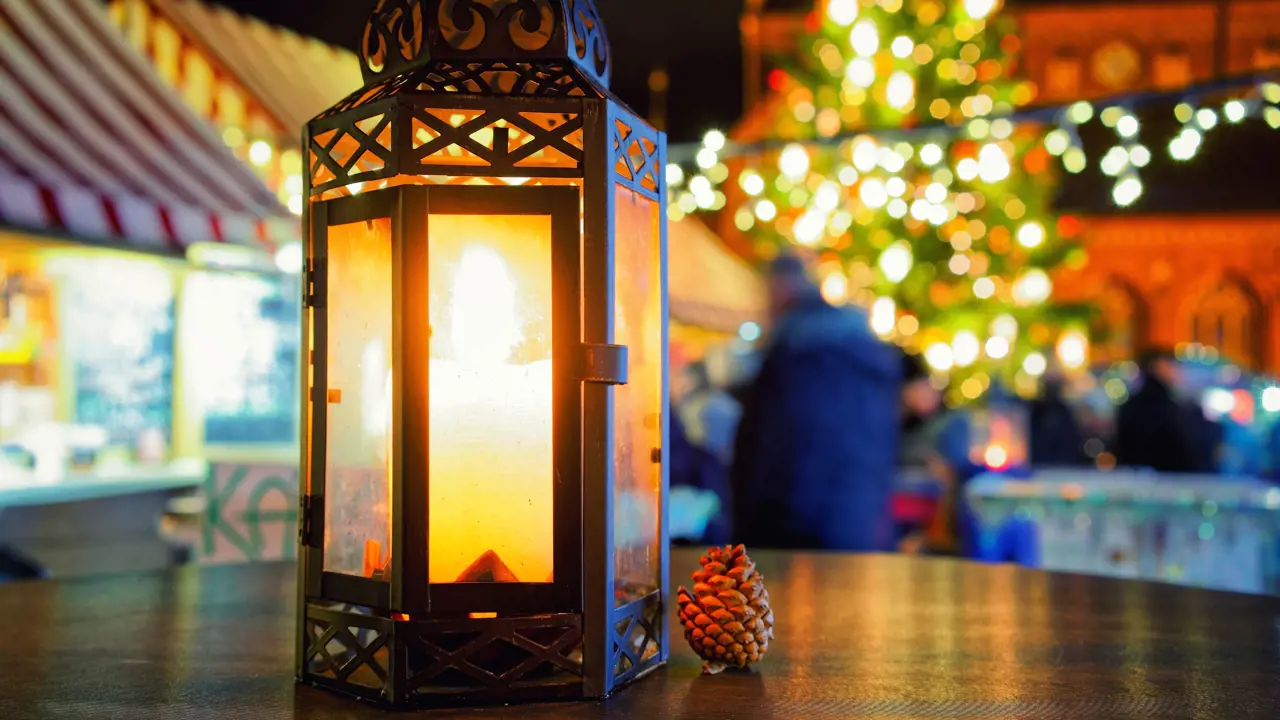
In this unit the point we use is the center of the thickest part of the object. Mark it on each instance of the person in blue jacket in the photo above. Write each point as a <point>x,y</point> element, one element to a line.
<point>816,449</point>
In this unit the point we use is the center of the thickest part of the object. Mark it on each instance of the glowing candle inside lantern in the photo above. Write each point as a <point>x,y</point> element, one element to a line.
<point>490,456</point>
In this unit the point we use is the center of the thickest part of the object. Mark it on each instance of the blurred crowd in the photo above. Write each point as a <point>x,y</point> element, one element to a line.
<point>808,451</point>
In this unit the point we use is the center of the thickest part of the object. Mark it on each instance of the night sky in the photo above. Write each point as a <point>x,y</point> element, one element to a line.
<point>695,40</point>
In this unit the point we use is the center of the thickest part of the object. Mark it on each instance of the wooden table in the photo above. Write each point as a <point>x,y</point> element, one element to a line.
<point>858,636</point>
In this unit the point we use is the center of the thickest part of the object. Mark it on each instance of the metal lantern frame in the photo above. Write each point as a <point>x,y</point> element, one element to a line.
<point>449,86</point>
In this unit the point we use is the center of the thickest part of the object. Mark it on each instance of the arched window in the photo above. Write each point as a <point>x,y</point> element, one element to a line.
<point>1120,327</point>
<point>1229,318</point>
<point>1062,75</point>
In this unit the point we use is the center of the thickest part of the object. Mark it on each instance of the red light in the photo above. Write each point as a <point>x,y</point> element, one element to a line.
<point>777,80</point>
<point>1068,226</point>
<point>1243,410</point>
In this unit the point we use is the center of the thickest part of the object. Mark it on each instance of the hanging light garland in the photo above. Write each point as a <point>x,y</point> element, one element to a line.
<point>1122,161</point>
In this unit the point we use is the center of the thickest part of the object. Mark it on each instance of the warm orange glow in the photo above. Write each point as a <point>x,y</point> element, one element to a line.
<point>996,457</point>
<point>359,446</point>
<point>482,615</point>
<point>490,440</point>
<point>372,558</point>
<point>638,405</point>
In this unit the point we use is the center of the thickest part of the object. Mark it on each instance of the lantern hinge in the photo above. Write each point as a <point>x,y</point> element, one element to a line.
<point>310,511</point>
<point>309,274</point>
<point>605,364</point>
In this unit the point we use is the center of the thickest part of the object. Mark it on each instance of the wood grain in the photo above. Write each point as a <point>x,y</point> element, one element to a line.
<point>857,637</point>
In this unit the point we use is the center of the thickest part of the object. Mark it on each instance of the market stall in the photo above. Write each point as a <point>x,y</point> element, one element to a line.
<point>718,301</point>
<point>1204,531</point>
<point>144,323</point>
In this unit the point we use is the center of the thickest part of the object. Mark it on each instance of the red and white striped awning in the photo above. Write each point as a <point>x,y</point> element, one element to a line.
<point>94,146</point>
<point>294,77</point>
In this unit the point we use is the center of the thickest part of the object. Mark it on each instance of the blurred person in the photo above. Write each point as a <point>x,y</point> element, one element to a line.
<point>700,497</point>
<point>1057,439</point>
<point>935,442</point>
<point>710,415</point>
<point>813,464</point>
<point>1152,428</point>
<point>1208,435</point>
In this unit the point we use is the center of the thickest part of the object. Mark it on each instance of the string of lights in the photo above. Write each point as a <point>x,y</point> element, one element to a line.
<point>1199,108</point>
<point>1266,86</point>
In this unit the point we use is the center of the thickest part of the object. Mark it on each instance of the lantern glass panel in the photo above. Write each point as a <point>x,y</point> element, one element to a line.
<point>638,405</point>
<point>490,393</point>
<point>358,459</point>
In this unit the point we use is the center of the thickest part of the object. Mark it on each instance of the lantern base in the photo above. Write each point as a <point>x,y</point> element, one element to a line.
<point>401,662</point>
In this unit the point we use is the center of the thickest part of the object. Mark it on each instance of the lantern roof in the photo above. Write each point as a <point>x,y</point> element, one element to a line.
<point>548,48</point>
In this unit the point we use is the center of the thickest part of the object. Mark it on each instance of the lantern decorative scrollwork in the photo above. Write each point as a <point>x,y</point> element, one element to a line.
<point>395,26</point>
<point>465,24</point>
<point>589,42</point>
<point>542,33</point>
<point>483,495</point>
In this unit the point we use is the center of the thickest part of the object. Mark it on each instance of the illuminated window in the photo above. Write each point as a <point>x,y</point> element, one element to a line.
<point>1267,55</point>
<point>1171,68</point>
<point>1121,324</point>
<point>1062,75</point>
<point>1229,318</point>
<point>1116,66</point>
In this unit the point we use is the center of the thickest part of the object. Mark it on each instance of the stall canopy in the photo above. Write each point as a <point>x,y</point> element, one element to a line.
<point>710,287</point>
<point>294,77</point>
<point>94,146</point>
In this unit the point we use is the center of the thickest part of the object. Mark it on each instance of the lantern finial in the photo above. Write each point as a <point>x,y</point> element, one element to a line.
<point>455,36</point>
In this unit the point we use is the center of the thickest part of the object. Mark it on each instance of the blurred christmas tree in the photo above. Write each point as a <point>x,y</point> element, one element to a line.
<point>938,218</point>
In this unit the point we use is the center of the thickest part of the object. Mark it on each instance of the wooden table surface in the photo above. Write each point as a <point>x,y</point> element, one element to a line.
<point>857,637</point>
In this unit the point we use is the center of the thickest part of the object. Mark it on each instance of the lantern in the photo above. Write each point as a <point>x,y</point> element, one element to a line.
<point>484,504</point>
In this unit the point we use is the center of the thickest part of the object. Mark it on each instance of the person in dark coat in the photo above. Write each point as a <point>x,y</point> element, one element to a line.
<point>814,458</point>
<point>1056,437</point>
<point>1152,428</point>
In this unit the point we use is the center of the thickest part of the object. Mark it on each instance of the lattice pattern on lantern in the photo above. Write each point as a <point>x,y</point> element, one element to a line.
<point>496,77</point>
<point>458,144</point>
<point>451,657</point>
<point>356,151</point>
<point>638,162</point>
<point>637,628</point>
<point>502,78</point>
<point>350,648</point>
<point>460,141</point>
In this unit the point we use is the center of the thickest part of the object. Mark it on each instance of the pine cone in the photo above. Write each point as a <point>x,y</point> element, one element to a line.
<point>727,618</point>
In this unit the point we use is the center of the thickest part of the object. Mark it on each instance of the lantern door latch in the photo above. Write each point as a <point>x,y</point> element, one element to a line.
<point>604,364</point>
<point>310,512</point>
